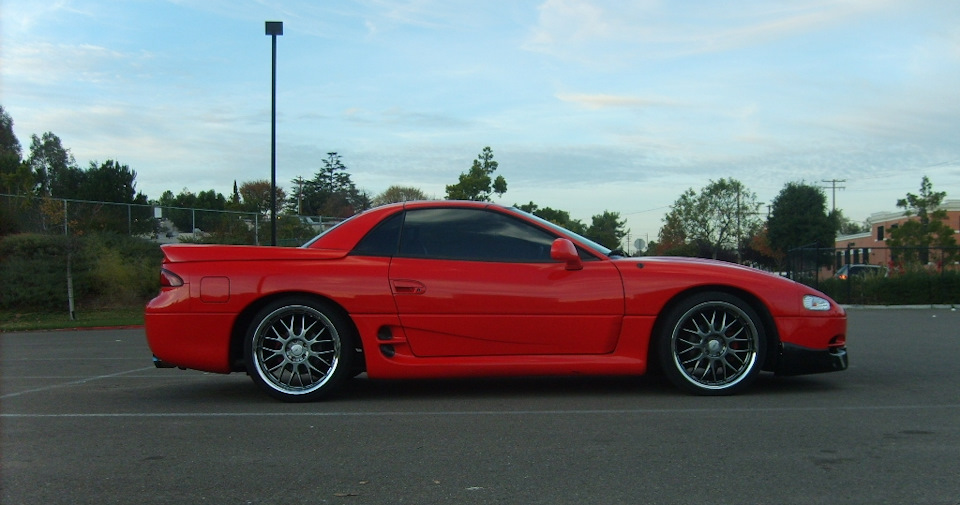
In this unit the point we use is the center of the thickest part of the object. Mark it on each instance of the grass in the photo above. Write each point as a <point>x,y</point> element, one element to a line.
<point>85,318</point>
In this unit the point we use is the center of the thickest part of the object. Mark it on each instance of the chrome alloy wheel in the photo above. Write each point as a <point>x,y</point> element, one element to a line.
<point>714,346</point>
<point>296,350</point>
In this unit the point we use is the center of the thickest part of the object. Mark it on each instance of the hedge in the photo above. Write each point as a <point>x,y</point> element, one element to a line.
<point>909,288</point>
<point>108,270</point>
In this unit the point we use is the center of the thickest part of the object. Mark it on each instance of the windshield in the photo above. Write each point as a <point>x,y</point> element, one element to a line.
<point>567,233</point>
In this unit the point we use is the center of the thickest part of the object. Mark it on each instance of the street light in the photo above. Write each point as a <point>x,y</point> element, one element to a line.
<point>273,29</point>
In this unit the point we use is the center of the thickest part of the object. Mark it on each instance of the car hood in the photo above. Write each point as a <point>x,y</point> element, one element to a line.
<point>650,281</point>
<point>702,264</point>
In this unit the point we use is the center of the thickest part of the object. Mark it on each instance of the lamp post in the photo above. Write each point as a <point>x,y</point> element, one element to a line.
<point>273,28</point>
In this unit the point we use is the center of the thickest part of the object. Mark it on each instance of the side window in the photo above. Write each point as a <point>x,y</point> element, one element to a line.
<point>382,239</point>
<point>473,235</point>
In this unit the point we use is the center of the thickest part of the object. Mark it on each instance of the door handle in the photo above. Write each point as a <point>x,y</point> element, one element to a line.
<point>408,287</point>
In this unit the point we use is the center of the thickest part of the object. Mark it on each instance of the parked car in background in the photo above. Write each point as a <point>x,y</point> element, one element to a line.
<point>861,270</point>
<point>435,289</point>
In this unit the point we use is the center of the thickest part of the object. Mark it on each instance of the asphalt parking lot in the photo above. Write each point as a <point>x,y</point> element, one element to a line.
<point>86,418</point>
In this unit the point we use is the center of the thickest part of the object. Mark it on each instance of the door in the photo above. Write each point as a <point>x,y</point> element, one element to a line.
<point>475,282</point>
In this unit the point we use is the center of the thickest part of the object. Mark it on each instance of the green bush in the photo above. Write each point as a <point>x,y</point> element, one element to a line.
<point>119,269</point>
<point>909,288</point>
<point>108,270</point>
<point>33,270</point>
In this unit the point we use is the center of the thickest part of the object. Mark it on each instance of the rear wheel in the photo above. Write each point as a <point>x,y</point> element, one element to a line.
<point>299,350</point>
<point>712,344</point>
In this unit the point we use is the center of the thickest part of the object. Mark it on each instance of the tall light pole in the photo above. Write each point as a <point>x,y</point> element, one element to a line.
<point>273,28</point>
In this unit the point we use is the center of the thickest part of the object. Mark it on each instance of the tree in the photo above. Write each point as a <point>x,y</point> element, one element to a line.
<point>254,196</point>
<point>15,177</point>
<point>235,197</point>
<point>110,182</point>
<point>759,252</point>
<point>8,140</point>
<point>395,194</point>
<point>607,229</point>
<point>186,210</point>
<point>913,239</point>
<point>717,219</point>
<point>798,217</point>
<point>331,192</point>
<point>477,184</point>
<point>54,168</point>
<point>558,217</point>
<point>10,155</point>
<point>848,226</point>
<point>672,239</point>
<point>210,199</point>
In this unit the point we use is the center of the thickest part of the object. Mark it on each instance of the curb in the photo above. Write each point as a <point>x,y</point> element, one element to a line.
<point>84,328</point>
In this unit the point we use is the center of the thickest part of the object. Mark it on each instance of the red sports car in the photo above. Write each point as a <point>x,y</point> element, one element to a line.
<point>455,289</point>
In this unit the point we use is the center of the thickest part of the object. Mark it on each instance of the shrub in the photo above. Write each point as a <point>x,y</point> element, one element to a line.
<point>108,269</point>
<point>118,269</point>
<point>33,271</point>
<point>909,288</point>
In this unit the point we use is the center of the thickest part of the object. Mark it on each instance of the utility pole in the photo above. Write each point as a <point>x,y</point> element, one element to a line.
<point>739,252</point>
<point>299,180</point>
<point>833,184</point>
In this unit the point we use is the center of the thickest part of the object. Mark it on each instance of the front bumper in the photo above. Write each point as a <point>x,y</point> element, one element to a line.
<point>799,360</point>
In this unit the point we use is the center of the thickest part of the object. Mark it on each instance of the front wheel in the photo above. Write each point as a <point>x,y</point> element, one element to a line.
<point>712,344</point>
<point>299,350</point>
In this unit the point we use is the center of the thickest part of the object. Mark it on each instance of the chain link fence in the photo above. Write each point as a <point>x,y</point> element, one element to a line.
<point>879,275</point>
<point>162,224</point>
<point>62,254</point>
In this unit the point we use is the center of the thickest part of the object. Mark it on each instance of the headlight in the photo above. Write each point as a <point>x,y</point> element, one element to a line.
<point>818,303</point>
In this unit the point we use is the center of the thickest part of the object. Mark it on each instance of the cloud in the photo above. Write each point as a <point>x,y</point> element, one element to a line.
<point>48,63</point>
<point>21,18</point>
<point>604,101</point>
<point>574,20</point>
<point>577,30</point>
<point>384,16</point>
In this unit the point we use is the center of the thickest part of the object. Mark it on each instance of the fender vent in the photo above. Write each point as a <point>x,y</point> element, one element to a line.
<point>387,350</point>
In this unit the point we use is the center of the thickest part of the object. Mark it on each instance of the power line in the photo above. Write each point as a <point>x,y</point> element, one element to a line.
<point>647,210</point>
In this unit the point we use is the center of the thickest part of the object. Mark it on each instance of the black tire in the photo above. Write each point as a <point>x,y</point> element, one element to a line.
<point>712,344</point>
<point>299,350</point>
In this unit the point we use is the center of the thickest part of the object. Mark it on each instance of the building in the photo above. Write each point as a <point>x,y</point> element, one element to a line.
<point>871,247</point>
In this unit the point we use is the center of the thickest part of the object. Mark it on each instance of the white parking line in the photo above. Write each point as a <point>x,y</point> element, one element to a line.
<point>491,412</point>
<point>74,383</point>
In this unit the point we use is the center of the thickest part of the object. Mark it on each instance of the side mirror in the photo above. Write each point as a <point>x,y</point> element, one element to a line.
<point>564,250</point>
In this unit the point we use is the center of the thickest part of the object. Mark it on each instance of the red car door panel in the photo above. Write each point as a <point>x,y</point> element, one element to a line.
<point>474,308</point>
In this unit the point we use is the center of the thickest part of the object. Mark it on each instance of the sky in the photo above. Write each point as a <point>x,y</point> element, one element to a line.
<point>588,105</point>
